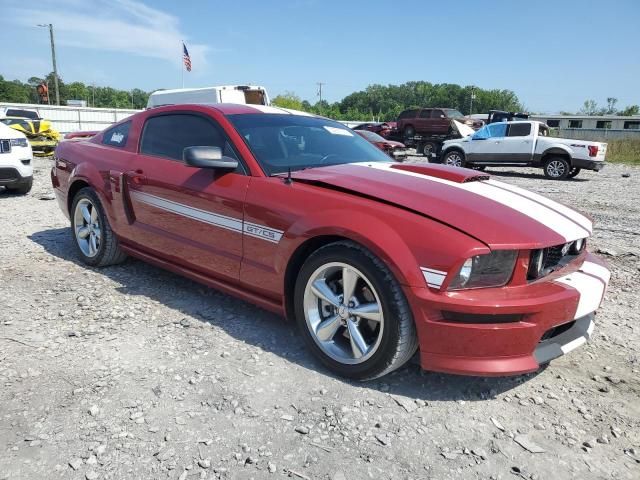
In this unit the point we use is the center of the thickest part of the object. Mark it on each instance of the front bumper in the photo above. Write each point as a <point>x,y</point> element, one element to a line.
<point>12,176</point>
<point>596,165</point>
<point>509,330</point>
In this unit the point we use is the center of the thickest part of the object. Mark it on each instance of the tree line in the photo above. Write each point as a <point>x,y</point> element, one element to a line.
<point>15,91</point>
<point>385,102</point>
<point>374,103</point>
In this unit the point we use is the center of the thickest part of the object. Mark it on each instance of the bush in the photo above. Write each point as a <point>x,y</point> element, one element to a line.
<point>624,151</point>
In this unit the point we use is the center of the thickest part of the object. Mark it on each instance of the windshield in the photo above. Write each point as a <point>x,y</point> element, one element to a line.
<point>454,114</point>
<point>280,142</point>
<point>371,136</point>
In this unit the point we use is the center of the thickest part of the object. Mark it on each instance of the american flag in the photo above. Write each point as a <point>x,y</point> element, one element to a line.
<point>186,58</point>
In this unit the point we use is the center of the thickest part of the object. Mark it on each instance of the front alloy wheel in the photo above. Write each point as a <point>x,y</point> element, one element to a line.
<point>352,312</point>
<point>454,159</point>
<point>343,313</point>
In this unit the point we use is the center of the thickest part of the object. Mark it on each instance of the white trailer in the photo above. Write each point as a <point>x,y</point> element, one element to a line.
<point>243,94</point>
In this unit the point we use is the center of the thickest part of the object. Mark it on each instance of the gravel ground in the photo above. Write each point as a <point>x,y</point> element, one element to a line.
<point>133,372</point>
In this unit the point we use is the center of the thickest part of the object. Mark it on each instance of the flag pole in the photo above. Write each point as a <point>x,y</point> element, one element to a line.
<point>182,62</point>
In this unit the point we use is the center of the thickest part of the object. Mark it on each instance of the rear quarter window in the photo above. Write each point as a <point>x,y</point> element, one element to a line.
<point>519,130</point>
<point>117,136</point>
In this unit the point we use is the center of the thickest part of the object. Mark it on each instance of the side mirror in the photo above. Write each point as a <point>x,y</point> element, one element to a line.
<point>442,116</point>
<point>208,157</point>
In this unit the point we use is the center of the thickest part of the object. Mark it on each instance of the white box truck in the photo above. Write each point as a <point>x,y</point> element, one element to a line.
<point>244,94</point>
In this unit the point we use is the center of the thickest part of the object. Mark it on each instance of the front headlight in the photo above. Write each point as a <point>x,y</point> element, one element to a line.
<point>19,142</point>
<point>490,270</point>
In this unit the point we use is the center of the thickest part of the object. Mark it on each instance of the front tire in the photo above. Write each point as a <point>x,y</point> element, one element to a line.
<point>96,243</point>
<point>365,335</point>
<point>557,168</point>
<point>455,158</point>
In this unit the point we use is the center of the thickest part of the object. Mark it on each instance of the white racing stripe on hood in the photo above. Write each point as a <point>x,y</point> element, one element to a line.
<point>546,214</point>
<point>566,211</point>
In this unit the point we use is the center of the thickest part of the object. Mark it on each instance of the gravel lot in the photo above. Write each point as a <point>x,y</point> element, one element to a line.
<point>133,372</point>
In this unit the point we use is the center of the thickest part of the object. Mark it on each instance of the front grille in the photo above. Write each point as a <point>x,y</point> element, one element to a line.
<point>9,174</point>
<point>5,146</point>
<point>553,258</point>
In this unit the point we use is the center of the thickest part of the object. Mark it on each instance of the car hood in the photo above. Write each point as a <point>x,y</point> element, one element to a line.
<point>7,132</point>
<point>498,214</point>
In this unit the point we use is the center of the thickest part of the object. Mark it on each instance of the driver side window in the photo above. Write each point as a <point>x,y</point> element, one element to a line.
<point>497,130</point>
<point>481,134</point>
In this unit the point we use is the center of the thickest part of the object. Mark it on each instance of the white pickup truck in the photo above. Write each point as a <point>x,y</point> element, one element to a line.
<point>524,143</point>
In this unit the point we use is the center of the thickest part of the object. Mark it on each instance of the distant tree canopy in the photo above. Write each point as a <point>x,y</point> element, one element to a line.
<point>385,102</point>
<point>590,107</point>
<point>15,91</point>
<point>376,102</point>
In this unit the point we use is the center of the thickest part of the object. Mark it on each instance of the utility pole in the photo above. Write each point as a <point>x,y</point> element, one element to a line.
<point>473,96</point>
<point>320,84</point>
<point>53,59</point>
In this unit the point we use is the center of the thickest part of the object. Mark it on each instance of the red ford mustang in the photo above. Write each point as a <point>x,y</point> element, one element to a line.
<point>373,259</point>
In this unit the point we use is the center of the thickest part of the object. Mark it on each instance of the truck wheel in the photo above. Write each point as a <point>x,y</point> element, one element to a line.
<point>353,313</point>
<point>409,131</point>
<point>96,243</point>
<point>455,158</point>
<point>429,148</point>
<point>557,168</point>
<point>574,172</point>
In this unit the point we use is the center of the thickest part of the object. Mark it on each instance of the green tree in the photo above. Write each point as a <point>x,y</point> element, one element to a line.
<point>288,100</point>
<point>630,110</point>
<point>589,107</point>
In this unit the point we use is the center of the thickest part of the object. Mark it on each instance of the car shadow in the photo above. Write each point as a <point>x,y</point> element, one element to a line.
<point>511,173</point>
<point>255,326</point>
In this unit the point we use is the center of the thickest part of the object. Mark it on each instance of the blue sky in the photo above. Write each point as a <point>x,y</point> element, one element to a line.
<point>553,54</point>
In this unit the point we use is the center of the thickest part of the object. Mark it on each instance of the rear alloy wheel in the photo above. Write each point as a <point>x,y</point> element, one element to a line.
<point>352,312</point>
<point>409,132</point>
<point>429,149</point>
<point>557,168</point>
<point>454,158</point>
<point>574,172</point>
<point>97,244</point>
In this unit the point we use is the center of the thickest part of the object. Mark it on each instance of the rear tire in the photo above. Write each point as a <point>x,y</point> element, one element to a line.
<point>428,149</point>
<point>574,172</point>
<point>557,168</point>
<point>409,132</point>
<point>95,242</point>
<point>454,158</point>
<point>353,346</point>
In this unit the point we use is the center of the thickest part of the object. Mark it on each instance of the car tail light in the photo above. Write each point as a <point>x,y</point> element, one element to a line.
<point>593,150</point>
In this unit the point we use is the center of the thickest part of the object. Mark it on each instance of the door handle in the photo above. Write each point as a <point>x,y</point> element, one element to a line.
<point>137,176</point>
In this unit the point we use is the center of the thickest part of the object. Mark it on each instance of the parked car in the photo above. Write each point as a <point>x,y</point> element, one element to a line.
<point>384,129</point>
<point>42,137</point>
<point>525,144</point>
<point>16,161</point>
<point>395,150</point>
<point>372,258</point>
<point>81,134</point>
<point>431,121</point>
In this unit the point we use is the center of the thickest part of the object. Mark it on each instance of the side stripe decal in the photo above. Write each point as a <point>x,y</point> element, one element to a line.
<point>229,223</point>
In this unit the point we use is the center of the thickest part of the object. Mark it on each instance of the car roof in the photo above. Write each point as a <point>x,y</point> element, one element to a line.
<point>239,108</point>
